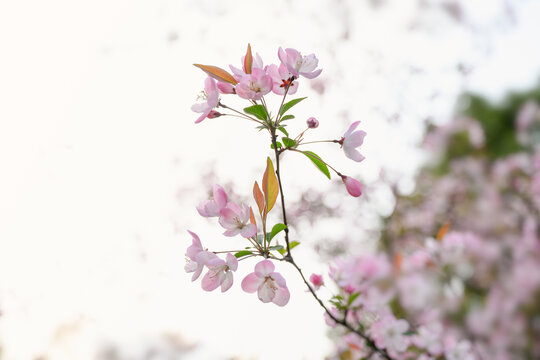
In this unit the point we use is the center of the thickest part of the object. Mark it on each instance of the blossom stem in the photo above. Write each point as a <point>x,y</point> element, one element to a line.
<point>241,114</point>
<point>318,141</point>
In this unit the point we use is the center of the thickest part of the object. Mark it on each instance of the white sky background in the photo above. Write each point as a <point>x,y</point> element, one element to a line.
<point>101,164</point>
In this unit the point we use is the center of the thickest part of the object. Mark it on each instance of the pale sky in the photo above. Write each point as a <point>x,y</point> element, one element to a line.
<point>101,163</point>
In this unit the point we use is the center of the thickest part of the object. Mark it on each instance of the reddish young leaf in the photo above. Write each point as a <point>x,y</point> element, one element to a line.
<point>270,185</point>
<point>442,231</point>
<point>217,73</point>
<point>259,197</point>
<point>248,60</point>
<point>252,217</point>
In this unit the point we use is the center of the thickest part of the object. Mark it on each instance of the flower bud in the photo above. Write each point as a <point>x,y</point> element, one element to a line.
<point>316,280</point>
<point>354,187</point>
<point>312,123</point>
<point>214,114</point>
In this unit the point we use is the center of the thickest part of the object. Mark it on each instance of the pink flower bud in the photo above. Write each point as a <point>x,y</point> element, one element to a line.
<point>312,123</point>
<point>354,187</point>
<point>316,280</point>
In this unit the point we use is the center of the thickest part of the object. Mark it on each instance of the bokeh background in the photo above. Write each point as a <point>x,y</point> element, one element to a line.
<point>101,165</point>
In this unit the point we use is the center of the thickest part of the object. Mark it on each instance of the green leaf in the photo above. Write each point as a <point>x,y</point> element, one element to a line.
<point>277,143</point>
<point>287,117</point>
<point>316,159</point>
<point>242,253</point>
<point>258,111</point>
<point>288,142</point>
<point>276,247</point>
<point>276,229</point>
<point>260,238</point>
<point>282,129</point>
<point>292,245</point>
<point>289,105</point>
<point>352,298</point>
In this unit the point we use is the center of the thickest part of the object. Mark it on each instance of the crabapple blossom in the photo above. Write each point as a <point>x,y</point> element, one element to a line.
<point>212,208</point>
<point>460,351</point>
<point>197,257</point>
<point>210,97</point>
<point>298,64</point>
<point>254,85</point>
<point>388,333</point>
<point>312,123</point>
<point>240,73</point>
<point>351,140</point>
<point>270,285</point>
<point>235,220</point>
<point>429,337</point>
<point>316,280</point>
<point>282,79</point>
<point>353,186</point>
<point>220,273</point>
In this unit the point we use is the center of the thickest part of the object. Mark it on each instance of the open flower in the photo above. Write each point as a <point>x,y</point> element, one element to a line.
<point>388,333</point>
<point>220,273</point>
<point>240,73</point>
<point>351,140</point>
<point>282,78</point>
<point>197,257</point>
<point>211,208</point>
<point>353,186</point>
<point>298,64</point>
<point>270,285</point>
<point>210,97</point>
<point>235,220</point>
<point>254,85</point>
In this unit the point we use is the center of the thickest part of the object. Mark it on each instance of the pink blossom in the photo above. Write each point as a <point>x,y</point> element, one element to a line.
<point>316,280</point>
<point>298,64</point>
<point>429,337</point>
<point>240,73</point>
<point>270,285</point>
<point>460,351</point>
<point>254,85</point>
<point>389,332</point>
<point>197,257</point>
<point>354,187</point>
<point>226,88</point>
<point>235,220</point>
<point>220,273</point>
<point>312,123</point>
<point>351,140</point>
<point>212,208</point>
<point>282,78</point>
<point>210,97</point>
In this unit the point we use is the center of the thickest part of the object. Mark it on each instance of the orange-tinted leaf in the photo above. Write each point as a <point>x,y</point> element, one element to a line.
<point>259,197</point>
<point>270,185</point>
<point>252,217</point>
<point>442,231</point>
<point>248,60</point>
<point>217,73</point>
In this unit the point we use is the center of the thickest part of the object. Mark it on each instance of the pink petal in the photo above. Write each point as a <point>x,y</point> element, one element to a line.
<point>353,154</point>
<point>203,116</point>
<point>232,262</point>
<point>220,196</point>
<point>279,279</point>
<point>282,296</point>
<point>232,232</point>
<point>248,231</point>
<point>351,129</point>
<point>355,139</point>
<point>227,281</point>
<point>264,268</point>
<point>251,283</point>
<point>266,293</point>
<point>311,75</point>
<point>210,281</point>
